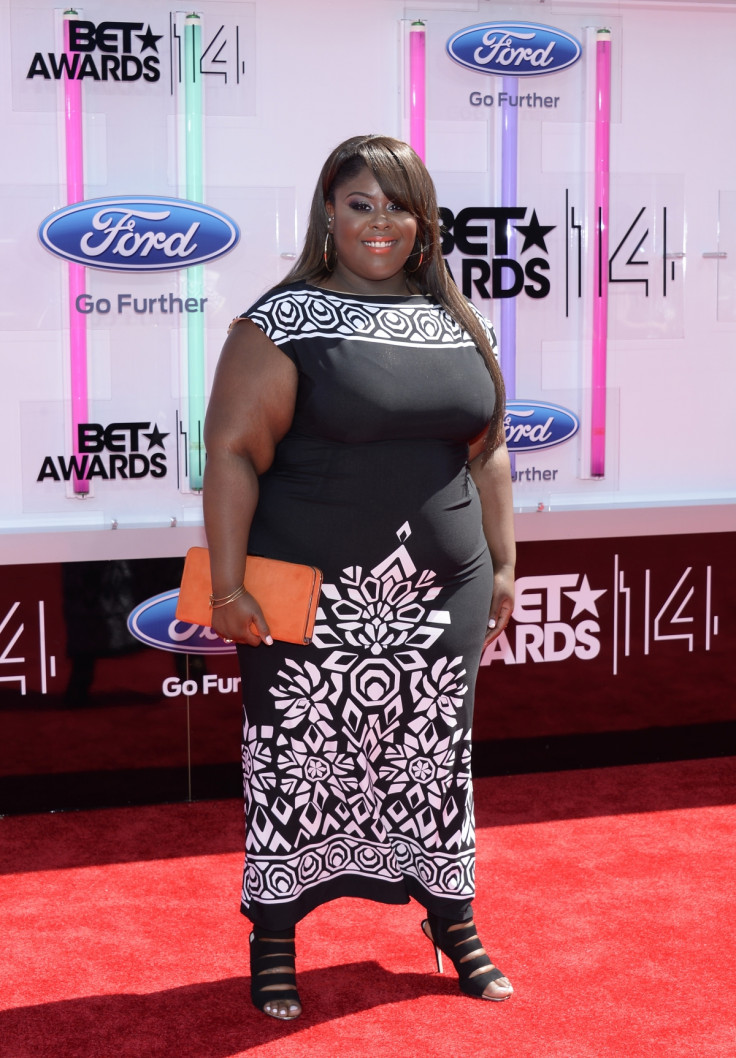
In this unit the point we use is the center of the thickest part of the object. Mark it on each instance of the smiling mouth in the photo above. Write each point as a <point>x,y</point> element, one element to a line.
<point>380,244</point>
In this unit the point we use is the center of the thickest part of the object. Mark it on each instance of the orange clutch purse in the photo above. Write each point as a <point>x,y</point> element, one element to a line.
<point>287,592</point>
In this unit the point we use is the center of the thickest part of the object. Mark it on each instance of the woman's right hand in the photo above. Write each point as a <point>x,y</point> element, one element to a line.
<point>242,621</point>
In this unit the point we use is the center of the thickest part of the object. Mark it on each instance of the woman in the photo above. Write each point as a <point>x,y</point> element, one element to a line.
<point>355,424</point>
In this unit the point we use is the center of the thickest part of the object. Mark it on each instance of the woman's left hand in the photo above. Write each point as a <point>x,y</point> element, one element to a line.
<point>502,604</point>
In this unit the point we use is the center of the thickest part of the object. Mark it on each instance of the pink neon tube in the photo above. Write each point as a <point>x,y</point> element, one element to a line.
<point>600,293</point>
<point>417,89</point>
<point>75,193</point>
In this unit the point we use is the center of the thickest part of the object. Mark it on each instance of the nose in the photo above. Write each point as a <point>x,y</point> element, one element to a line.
<point>381,218</point>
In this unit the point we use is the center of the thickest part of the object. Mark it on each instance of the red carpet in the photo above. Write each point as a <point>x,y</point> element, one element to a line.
<point>607,897</point>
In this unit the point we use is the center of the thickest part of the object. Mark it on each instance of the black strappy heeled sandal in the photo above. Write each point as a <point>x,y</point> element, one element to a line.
<point>273,971</point>
<point>460,943</point>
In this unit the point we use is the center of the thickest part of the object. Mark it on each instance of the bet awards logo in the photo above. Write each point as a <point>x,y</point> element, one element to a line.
<point>115,45</point>
<point>555,618</point>
<point>481,234</point>
<point>110,452</point>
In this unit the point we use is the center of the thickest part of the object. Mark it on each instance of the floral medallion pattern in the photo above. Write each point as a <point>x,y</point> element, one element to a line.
<point>366,768</point>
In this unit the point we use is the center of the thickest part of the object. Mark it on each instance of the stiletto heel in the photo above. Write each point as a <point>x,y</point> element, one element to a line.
<point>461,944</point>
<point>273,973</point>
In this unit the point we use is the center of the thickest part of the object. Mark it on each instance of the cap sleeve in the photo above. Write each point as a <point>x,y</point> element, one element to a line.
<point>277,315</point>
<point>488,328</point>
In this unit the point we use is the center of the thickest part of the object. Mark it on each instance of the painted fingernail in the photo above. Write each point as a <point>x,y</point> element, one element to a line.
<point>268,641</point>
<point>492,623</point>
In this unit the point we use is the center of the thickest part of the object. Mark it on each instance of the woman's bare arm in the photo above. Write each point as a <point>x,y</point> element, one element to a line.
<point>492,477</point>
<point>251,408</point>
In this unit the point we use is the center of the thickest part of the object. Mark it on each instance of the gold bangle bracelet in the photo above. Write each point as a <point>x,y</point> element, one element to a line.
<point>216,603</point>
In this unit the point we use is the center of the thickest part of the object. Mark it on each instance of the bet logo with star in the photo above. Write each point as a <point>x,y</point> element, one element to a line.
<point>104,51</point>
<point>555,617</point>
<point>119,450</point>
<point>482,235</point>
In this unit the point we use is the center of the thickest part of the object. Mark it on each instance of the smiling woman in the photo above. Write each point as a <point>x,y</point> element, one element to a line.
<point>373,238</point>
<point>355,425</point>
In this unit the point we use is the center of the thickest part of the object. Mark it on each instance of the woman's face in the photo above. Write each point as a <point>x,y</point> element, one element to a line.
<point>373,238</point>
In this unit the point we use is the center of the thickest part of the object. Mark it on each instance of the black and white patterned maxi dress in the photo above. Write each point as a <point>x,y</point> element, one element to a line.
<point>356,748</point>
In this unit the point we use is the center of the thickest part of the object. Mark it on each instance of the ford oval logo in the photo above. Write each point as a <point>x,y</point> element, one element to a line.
<point>521,49</point>
<point>154,623</point>
<point>138,234</point>
<point>533,424</point>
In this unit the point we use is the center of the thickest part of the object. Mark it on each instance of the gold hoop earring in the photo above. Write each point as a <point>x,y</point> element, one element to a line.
<point>411,271</point>
<point>325,256</point>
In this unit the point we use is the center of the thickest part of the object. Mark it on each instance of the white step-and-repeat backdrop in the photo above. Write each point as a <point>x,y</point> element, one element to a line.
<point>157,174</point>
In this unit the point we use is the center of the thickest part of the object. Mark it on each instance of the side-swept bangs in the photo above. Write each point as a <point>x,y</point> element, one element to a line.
<point>397,169</point>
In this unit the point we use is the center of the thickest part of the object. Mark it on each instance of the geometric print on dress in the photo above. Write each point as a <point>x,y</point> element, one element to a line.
<point>368,769</point>
<point>291,315</point>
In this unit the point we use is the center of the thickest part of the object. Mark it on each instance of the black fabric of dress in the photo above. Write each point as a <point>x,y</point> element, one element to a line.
<point>356,748</point>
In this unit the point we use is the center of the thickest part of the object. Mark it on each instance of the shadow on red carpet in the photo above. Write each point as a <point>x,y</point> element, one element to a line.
<point>611,918</point>
<point>214,1019</point>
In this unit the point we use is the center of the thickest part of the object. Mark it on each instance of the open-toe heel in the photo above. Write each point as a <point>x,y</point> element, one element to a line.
<point>273,973</point>
<point>461,944</point>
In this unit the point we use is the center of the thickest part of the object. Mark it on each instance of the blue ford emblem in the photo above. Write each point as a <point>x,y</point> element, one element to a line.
<point>154,623</point>
<point>533,424</point>
<point>521,49</point>
<point>138,234</point>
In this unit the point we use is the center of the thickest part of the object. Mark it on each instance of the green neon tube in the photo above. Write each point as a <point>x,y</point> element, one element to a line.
<point>195,275</point>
